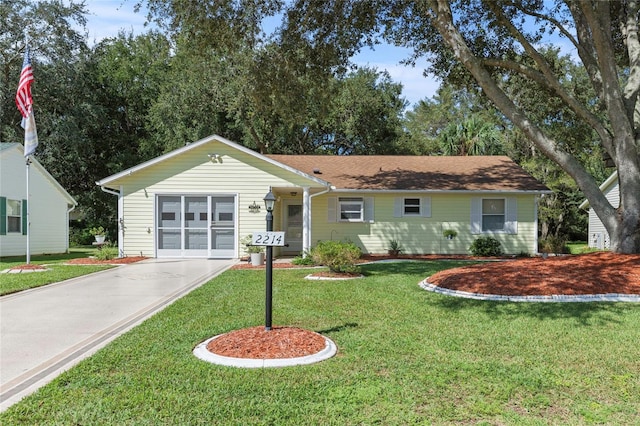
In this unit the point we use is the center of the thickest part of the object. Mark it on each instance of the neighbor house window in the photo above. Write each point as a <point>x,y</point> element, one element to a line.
<point>411,207</point>
<point>351,209</point>
<point>14,216</point>
<point>493,214</point>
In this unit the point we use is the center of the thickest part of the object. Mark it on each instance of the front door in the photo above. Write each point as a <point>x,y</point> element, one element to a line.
<point>196,226</point>
<point>293,227</point>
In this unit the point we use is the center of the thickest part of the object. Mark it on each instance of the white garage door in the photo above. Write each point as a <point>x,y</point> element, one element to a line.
<point>196,226</point>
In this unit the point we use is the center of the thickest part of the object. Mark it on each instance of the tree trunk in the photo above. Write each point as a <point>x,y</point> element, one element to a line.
<point>623,224</point>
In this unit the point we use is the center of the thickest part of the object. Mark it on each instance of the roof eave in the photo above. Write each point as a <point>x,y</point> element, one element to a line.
<point>105,182</point>
<point>450,191</point>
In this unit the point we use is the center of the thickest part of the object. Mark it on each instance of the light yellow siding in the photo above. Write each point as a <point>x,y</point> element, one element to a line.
<point>248,177</point>
<point>191,173</point>
<point>422,235</point>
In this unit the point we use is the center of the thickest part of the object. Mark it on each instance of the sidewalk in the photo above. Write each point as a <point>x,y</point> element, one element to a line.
<point>47,330</point>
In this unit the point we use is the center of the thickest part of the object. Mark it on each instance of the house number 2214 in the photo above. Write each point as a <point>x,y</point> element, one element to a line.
<point>271,238</point>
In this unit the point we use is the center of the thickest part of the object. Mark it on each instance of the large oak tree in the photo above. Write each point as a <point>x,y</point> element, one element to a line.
<point>493,43</point>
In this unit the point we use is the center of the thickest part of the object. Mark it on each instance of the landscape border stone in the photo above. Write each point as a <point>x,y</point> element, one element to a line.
<point>609,297</point>
<point>201,352</point>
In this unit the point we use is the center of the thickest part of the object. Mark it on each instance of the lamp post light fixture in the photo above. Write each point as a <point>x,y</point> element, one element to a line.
<point>269,202</point>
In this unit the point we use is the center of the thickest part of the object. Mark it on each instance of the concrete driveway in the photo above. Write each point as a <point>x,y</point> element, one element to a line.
<point>47,330</point>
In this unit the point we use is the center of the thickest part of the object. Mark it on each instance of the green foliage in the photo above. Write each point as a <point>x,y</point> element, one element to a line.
<point>55,40</point>
<point>107,252</point>
<point>395,248</point>
<point>450,233</point>
<point>473,136</point>
<point>303,260</point>
<point>486,246</point>
<point>338,256</point>
<point>248,247</point>
<point>98,230</point>
<point>79,234</point>
<point>553,244</point>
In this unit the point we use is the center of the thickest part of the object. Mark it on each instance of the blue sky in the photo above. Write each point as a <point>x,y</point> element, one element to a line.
<point>107,17</point>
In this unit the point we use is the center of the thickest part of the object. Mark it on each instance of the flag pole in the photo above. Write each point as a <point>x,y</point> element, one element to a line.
<point>28,163</point>
<point>28,216</point>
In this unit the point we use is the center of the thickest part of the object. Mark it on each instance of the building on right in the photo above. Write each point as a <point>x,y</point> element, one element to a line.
<point>598,236</point>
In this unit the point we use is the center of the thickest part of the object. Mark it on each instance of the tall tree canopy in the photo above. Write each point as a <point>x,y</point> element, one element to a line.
<point>497,44</point>
<point>48,25</point>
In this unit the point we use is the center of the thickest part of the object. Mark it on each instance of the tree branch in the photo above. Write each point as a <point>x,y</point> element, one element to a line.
<point>629,27</point>
<point>551,79</point>
<point>442,19</point>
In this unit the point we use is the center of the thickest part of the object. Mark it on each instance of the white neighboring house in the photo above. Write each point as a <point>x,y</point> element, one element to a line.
<point>49,206</point>
<point>598,235</point>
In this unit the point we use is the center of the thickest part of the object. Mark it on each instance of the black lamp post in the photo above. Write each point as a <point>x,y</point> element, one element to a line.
<point>269,202</point>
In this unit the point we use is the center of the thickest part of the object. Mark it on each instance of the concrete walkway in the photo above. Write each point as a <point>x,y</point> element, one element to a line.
<point>47,330</point>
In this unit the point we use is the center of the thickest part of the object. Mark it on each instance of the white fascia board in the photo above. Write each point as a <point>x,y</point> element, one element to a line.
<point>204,141</point>
<point>610,180</point>
<point>445,191</point>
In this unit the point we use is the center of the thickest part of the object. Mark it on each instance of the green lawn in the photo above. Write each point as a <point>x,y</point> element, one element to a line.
<point>580,247</point>
<point>406,356</point>
<point>11,283</point>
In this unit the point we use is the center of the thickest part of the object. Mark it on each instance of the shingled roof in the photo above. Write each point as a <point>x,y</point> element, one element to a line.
<point>429,173</point>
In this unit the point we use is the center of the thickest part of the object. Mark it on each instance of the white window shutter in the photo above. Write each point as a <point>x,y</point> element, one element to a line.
<point>332,213</point>
<point>476,215</point>
<point>368,209</point>
<point>398,204</point>
<point>511,216</point>
<point>426,206</point>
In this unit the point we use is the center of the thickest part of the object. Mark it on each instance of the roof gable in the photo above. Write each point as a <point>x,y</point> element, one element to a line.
<point>416,173</point>
<point>210,139</point>
<point>17,150</point>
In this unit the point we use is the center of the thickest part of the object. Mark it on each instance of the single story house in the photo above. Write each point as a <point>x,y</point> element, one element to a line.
<point>598,235</point>
<point>49,206</point>
<point>201,200</point>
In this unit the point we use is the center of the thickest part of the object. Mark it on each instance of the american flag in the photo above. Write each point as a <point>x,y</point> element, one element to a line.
<point>24,100</point>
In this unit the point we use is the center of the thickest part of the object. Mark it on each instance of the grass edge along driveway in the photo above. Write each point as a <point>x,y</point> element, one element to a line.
<point>56,271</point>
<point>406,356</point>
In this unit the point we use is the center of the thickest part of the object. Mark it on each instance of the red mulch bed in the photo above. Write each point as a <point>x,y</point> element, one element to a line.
<point>117,261</point>
<point>29,267</point>
<point>257,343</point>
<point>595,273</point>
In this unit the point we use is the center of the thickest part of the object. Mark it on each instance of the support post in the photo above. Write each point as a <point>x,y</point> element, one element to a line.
<point>269,268</point>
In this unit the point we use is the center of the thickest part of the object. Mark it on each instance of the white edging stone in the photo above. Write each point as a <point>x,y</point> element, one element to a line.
<point>204,354</point>
<point>312,277</point>
<point>608,297</point>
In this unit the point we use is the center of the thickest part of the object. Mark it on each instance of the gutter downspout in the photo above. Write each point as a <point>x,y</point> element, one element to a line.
<point>120,218</point>
<point>306,243</point>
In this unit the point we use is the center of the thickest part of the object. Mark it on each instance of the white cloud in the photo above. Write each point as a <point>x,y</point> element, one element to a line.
<point>107,17</point>
<point>415,86</point>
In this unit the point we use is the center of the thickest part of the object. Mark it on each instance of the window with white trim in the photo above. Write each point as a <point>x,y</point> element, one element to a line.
<point>351,209</point>
<point>493,214</point>
<point>411,207</point>
<point>14,216</point>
